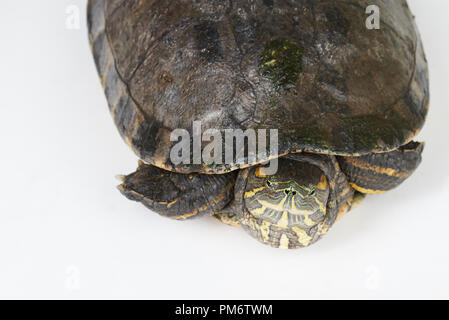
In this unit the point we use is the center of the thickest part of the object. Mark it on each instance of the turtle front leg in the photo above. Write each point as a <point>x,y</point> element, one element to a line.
<point>381,172</point>
<point>176,195</point>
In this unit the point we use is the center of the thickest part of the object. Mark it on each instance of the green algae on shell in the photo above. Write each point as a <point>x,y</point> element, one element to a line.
<point>281,61</point>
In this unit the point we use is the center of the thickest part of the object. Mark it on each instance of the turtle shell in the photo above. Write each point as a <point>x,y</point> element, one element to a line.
<point>310,69</point>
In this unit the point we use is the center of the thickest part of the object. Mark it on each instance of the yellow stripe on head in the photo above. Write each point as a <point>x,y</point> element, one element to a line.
<point>252,193</point>
<point>274,206</point>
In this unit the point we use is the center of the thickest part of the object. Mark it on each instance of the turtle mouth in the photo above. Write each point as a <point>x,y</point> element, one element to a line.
<point>287,205</point>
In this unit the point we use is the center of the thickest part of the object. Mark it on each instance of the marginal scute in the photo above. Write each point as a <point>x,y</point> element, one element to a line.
<point>382,172</point>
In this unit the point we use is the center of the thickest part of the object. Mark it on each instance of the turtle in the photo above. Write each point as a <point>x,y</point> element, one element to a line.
<point>344,101</point>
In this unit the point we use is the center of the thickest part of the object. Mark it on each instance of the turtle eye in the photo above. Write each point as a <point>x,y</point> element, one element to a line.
<point>269,183</point>
<point>312,192</point>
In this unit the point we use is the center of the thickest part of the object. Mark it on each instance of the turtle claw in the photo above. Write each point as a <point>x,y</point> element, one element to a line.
<point>120,177</point>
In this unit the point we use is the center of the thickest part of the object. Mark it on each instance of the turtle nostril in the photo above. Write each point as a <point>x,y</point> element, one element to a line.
<point>288,192</point>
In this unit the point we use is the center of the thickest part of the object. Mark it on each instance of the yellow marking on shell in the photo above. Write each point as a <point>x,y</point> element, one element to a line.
<point>196,211</point>
<point>252,193</point>
<point>186,216</point>
<point>322,185</point>
<point>380,170</point>
<point>114,106</point>
<point>169,204</point>
<point>284,242</point>
<point>139,119</point>
<point>303,238</point>
<point>367,191</point>
<point>106,70</point>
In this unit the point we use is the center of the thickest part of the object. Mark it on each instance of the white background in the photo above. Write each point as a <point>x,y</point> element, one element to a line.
<point>66,232</point>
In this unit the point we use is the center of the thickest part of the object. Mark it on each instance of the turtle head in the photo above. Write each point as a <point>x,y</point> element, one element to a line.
<point>296,196</point>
